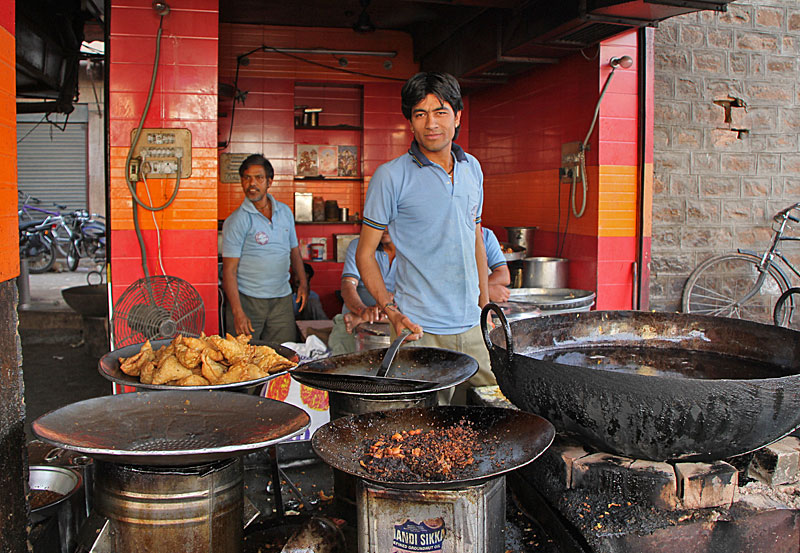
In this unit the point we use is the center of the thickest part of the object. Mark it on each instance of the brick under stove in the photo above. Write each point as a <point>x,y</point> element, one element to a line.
<point>591,501</point>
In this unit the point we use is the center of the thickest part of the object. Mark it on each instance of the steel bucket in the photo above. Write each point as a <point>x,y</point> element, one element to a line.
<point>743,391</point>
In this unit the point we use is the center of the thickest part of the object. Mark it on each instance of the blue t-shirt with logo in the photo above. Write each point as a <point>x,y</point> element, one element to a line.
<point>262,246</point>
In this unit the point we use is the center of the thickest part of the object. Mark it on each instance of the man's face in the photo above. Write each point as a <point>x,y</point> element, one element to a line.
<point>255,183</point>
<point>385,238</point>
<point>434,123</point>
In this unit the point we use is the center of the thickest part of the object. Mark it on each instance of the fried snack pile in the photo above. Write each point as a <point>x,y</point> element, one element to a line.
<point>204,361</point>
<point>417,456</point>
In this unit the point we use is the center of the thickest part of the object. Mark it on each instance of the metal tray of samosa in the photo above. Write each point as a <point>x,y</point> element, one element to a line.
<point>108,366</point>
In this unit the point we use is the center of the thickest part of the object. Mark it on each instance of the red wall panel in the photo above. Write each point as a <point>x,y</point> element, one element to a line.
<point>185,96</point>
<point>517,131</point>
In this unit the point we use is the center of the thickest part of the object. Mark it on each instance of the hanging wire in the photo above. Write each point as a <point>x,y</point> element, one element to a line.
<point>33,128</point>
<point>318,64</point>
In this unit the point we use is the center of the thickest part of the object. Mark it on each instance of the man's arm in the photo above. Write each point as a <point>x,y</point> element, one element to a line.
<point>359,311</point>
<point>241,322</point>
<point>373,280</point>
<point>483,267</point>
<point>498,282</point>
<point>300,272</point>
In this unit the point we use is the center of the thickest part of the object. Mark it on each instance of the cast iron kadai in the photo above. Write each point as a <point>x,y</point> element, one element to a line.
<point>108,366</point>
<point>520,436</point>
<point>441,367</point>
<point>170,428</point>
<point>646,385</point>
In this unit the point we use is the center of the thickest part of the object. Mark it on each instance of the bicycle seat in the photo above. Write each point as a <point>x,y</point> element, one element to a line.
<point>25,225</point>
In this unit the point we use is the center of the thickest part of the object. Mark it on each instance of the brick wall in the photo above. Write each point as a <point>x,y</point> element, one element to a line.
<point>714,192</point>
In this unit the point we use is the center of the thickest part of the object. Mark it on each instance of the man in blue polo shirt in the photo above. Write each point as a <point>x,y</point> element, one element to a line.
<point>359,305</point>
<point>258,246</point>
<point>431,200</point>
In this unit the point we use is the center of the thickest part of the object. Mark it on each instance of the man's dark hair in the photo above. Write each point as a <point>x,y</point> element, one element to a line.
<point>442,85</point>
<point>257,159</point>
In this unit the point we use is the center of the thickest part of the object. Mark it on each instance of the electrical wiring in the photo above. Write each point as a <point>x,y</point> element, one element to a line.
<point>155,223</point>
<point>132,185</point>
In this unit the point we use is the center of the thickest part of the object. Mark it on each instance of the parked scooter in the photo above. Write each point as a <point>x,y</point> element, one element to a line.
<point>37,244</point>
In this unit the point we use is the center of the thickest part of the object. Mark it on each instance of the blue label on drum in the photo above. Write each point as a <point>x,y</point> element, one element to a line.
<point>426,536</point>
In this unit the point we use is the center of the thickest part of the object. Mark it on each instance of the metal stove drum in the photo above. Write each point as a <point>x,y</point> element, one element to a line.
<point>463,514</point>
<point>168,467</point>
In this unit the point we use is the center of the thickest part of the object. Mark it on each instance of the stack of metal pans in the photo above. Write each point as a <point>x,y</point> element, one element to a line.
<point>535,302</point>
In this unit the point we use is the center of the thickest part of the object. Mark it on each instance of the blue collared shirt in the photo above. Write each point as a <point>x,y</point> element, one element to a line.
<point>494,253</point>
<point>351,270</point>
<point>432,223</point>
<point>262,246</point>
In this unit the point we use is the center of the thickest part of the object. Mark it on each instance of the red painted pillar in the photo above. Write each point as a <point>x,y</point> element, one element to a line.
<point>185,97</point>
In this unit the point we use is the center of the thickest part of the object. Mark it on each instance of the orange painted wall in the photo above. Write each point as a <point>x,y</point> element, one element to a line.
<point>185,96</point>
<point>9,242</point>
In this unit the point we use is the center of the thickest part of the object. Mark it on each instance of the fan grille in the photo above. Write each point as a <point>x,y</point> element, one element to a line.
<point>155,308</point>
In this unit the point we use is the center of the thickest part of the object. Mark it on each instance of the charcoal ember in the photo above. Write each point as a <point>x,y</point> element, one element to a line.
<point>419,456</point>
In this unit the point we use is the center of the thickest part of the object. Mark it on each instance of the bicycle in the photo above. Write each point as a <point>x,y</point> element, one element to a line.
<point>745,284</point>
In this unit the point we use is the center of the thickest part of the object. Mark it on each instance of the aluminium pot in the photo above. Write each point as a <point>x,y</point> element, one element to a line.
<point>738,391</point>
<point>545,272</point>
<point>522,236</point>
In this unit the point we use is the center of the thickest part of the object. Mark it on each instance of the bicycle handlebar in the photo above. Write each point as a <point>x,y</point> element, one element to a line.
<point>784,213</point>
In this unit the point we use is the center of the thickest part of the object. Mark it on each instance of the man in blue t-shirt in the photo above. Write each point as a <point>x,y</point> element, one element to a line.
<point>359,305</point>
<point>431,201</point>
<point>259,244</point>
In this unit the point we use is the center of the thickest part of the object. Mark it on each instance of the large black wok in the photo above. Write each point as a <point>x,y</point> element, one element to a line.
<point>656,386</point>
<point>521,438</point>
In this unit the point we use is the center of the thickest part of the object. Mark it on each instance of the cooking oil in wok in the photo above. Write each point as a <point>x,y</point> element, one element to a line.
<point>673,363</point>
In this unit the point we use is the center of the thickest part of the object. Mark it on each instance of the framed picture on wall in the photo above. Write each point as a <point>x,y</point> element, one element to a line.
<point>348,161</point>
<point>328,161</point>
<point>307,161</point>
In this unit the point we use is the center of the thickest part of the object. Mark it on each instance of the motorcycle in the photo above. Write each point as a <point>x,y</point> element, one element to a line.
<point>37,245</point>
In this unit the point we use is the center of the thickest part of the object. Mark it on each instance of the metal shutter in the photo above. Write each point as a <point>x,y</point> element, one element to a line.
<point>51,164</point>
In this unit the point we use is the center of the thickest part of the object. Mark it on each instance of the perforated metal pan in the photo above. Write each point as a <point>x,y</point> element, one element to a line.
<point>170,428</point>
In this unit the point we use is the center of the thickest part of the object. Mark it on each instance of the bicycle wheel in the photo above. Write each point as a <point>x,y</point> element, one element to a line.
<point>43,261</point>
<point>73,257</point>
<point>786,309</point>
<point>717,286</point>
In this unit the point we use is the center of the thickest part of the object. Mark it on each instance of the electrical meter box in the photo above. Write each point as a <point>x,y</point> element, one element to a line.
<point>159,152</point>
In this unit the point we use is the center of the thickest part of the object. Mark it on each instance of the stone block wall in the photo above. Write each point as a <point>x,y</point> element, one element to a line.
<point>719,180</point>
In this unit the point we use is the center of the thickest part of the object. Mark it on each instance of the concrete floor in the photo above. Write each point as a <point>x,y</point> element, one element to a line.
<point>58,366</point>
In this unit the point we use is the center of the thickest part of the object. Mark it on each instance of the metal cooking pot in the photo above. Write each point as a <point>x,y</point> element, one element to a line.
<point>372,336</point>
<point>67,510</point>
<point>653,386</point>
<point>545,272</point>
<point>522,236</point>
